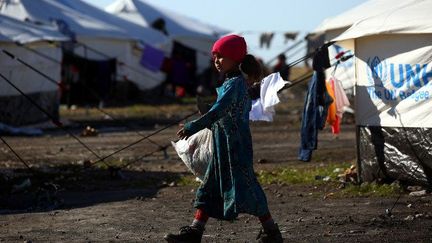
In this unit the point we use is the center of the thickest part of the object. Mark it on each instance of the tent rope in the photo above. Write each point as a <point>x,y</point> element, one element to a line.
<point>286,50</point>
<point>170,125</point>
<point>140,140</point>
<point>102,159</point>
<point>54,120</point>
<point>16,154</point>
<point>91,91</point>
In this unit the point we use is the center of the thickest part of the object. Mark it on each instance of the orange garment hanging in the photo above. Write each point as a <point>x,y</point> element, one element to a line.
<point>332,118</point>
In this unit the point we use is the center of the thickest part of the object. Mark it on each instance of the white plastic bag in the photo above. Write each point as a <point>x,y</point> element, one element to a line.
<point>196,152</point>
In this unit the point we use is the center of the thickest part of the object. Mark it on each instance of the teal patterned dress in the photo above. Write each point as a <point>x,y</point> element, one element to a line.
<point>230,186</point>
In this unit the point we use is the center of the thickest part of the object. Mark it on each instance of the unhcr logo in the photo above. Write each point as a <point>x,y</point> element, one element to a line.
<point>398,81</point>
<point>400,75</point>
<point>376,72</point>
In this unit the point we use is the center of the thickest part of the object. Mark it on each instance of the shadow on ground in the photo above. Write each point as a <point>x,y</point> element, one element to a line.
<point>73,186</point>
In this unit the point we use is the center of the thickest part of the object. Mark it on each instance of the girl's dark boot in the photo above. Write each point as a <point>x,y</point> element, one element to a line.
<point>189,234</point>
<point>270,235</point>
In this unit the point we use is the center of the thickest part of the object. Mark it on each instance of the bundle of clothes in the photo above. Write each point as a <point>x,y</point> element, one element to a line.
<point>324,103</point>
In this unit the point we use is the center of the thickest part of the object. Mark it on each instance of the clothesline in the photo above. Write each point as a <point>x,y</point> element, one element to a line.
<point>102,159</point>
<point>255,32</point>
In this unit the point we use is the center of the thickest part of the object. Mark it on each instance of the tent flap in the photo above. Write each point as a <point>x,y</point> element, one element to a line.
<point>187,31</point>
<point>408,17</point>
<point>393,81</point>
<point>393,153</point>
<point>176,25</point>
<point>17,110</point>
<point>12,30</point>
<point>81,19</point>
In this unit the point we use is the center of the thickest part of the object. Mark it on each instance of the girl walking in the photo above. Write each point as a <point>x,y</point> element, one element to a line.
<point>230,186</point>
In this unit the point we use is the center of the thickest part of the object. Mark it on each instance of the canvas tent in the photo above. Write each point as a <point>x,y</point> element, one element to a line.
<point>14,108</point>
<point>189,32</point>
<point>393,71</point>
<point>111,36</point>
<point>334,26</point>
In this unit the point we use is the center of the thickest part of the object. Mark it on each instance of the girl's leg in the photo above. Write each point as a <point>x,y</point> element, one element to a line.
<point>192,233</point>
<point>267,221</point>
<point>270,231</point>
<point>200,219</point>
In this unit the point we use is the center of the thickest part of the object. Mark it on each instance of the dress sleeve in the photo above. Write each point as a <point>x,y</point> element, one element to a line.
<point>217,111</point>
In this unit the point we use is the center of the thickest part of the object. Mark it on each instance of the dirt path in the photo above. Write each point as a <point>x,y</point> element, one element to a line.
<point>144,204</point>
<point>141,216</point>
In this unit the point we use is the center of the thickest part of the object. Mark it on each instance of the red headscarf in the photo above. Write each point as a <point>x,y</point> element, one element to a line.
<point>231,46</point>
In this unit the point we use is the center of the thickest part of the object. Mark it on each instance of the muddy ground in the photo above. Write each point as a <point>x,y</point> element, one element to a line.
<point>144,200</point>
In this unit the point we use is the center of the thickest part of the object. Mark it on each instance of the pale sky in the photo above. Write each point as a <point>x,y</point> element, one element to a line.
<point>254,17</point>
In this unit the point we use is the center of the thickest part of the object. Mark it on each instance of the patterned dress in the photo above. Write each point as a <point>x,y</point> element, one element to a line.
<point>230,186</point>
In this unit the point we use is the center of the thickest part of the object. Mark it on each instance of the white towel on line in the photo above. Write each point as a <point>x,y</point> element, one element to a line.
<point>263,107</point>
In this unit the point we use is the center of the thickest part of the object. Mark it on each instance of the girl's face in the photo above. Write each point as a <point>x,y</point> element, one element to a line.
<point>223,64</point>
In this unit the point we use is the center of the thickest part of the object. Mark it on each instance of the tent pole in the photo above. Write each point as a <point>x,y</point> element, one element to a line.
<point>359,170</point>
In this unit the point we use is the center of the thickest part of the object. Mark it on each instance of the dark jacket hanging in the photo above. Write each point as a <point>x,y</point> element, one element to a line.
<point>316,106</point>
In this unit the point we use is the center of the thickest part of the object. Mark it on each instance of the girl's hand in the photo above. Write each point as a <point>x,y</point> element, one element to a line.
<point>181,133</point>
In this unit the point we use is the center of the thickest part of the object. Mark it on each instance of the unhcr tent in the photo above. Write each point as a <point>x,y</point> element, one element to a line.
<point>189,32</point>
<point>393,71</point>
<point>110,36</point>
<point>14,108</point>
<point>334,26</point>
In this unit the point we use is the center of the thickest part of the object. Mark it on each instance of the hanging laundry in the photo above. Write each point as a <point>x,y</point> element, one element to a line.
<point>314,115</point>
<point>265,39</point>
<point>290,36</point>
<point>316,106</point>
<point>152,58</point>
<point>331,114</point>
<point>314,41</point>
<point>263,107</point>
<point>332,118</point>
<point>342,101</point>
<point>337,108</point>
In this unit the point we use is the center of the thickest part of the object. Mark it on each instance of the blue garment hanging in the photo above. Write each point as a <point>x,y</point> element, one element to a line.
<point>314,117</point>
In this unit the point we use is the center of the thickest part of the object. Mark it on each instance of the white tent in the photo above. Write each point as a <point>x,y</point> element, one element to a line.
<point>409,18</point>
<point>393,69</point>
<point>17,31</point>
<point>97,29</point>
<point>334,26</point>
<point>188,31</point>
<point>14,108</point>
